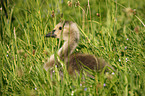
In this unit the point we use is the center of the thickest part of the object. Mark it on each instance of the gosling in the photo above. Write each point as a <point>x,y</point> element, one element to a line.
<point>69,32</point>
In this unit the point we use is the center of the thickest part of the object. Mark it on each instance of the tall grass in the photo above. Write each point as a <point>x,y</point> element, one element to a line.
<point>110,29</point>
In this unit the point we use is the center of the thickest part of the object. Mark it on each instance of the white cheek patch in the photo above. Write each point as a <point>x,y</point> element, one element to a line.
<point>58,33</point>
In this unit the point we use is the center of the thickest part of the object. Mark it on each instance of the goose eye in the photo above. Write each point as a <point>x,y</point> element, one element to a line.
<point>60,28</point>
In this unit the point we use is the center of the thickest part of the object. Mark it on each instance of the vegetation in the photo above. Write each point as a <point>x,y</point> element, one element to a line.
<point>112,29</point>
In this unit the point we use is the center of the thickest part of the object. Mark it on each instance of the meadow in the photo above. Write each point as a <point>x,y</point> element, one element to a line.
<point>111,29</point>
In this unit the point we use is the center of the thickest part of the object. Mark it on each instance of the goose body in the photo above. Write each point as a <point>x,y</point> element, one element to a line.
<point>69,32</point>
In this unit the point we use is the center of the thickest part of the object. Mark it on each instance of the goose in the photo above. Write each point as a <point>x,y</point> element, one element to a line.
<point>69,32</point>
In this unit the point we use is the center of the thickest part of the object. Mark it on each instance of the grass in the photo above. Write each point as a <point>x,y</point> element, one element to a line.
<point>116,33</point>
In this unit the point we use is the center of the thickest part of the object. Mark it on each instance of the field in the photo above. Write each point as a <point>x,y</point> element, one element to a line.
<point>111,29</point>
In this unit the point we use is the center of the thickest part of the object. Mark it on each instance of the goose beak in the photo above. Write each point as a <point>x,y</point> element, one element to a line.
<point>51,34</point>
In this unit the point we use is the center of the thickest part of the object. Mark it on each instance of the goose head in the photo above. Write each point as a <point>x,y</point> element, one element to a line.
<point>66,30</point>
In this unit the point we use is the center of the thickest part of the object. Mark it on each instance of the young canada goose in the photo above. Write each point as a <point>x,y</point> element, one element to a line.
<point>69,32</point>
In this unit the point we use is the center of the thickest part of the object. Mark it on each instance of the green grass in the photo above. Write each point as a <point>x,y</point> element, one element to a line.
<point>115,35</point>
